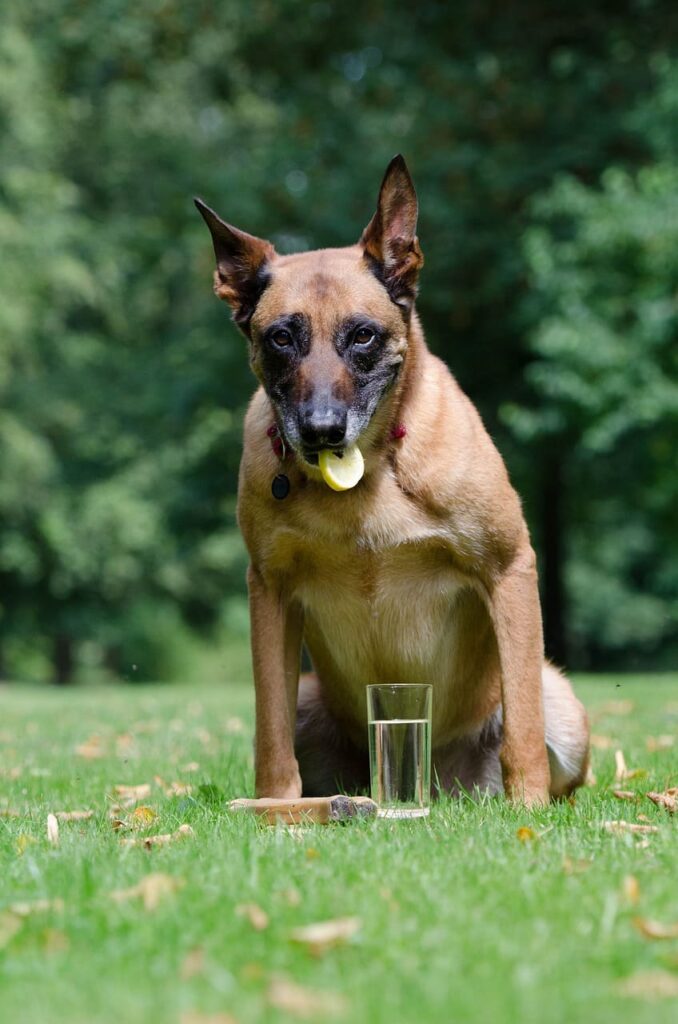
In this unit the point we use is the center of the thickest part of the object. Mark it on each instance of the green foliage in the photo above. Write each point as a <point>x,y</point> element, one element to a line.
<point>122,384</point>
<point>604,264</point>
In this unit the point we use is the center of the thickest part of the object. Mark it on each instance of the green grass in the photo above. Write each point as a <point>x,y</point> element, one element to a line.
<point>460,920</point>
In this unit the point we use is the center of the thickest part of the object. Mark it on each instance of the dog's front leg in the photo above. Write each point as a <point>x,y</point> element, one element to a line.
<point>276,630</point>
<point>516,614</point>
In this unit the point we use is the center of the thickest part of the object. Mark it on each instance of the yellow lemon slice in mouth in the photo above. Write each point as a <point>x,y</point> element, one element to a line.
<point>341,472</point>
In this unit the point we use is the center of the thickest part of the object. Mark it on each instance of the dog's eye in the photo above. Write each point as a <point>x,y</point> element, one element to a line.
<point>281,338</point>
<point>363,337</point>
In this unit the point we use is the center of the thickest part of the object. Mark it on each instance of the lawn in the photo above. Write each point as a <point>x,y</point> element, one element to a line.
<point>483,913</point>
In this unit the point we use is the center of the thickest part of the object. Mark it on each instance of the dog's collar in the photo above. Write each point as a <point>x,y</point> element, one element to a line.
<point>281,449</point>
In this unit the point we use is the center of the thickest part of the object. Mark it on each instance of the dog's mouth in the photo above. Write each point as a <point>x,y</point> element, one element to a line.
<point>310,455</point>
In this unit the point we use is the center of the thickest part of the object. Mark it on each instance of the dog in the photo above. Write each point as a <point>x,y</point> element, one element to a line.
<point>422,572</point>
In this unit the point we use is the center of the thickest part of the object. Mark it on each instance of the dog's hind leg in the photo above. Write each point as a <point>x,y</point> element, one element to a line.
<point>567,733</point>
<point>329,762</point>
<point>471,763</point>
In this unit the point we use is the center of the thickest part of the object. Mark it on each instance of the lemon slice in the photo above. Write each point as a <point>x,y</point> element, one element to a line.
<point>341,472</point>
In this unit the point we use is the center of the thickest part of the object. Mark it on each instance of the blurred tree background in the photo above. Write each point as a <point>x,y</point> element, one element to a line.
<point>542,139</point>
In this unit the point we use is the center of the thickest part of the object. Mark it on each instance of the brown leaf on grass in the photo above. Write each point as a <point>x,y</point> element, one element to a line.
<point>195,1017</point>
<point>526,834</point>
<point>152,890</point>
<point>148,842</point>
<point>9,812</point>
<point>292,897</point>
<point>257,917</point>
<point>24,908</point>
<point>624,794</point>
<point>124,744</point>
<point>90,749</point>
<point>653,984</point>
<point>118,824</point>
<point>666,800</point>
<point>142,816</point>
<point>305,1003</point>
<point>631,890</point>
<point>52,830</point>
<point>619,827</point>
<point>193,964</point>
<point>324,935</point>
<point>73,815</point>
<point>128,796</point>
<point>173,788</point>
<point>655,743</point>
<point>599,742</point>
<point>10,924</point>
<point>655,929</point>
<point>192,766</point>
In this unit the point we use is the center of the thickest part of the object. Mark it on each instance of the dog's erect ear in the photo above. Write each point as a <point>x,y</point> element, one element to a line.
<point>241,274</point>
<point>390,239</point>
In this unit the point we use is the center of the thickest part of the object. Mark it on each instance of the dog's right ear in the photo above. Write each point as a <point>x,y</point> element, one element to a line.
<point>241,274</point>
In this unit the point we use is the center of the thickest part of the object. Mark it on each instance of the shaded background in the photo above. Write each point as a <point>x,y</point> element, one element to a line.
<point>543,143</point>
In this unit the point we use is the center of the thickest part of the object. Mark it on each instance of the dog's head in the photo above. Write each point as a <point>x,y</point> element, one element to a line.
<point>327,329</point>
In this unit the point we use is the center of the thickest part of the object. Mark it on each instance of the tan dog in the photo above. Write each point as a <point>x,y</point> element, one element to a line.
<point>424,571</point>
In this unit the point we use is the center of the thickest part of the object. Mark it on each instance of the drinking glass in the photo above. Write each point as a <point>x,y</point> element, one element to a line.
<point>399,723</point>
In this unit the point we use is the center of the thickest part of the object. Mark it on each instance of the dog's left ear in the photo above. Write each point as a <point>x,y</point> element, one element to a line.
<point>241,275</point>
<point>390,239</point>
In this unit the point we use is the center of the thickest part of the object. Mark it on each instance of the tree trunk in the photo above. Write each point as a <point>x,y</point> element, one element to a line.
<point>62,658</point>
<point>553,552</point>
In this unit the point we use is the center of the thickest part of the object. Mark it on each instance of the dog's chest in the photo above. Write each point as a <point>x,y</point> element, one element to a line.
<point>377,589</point>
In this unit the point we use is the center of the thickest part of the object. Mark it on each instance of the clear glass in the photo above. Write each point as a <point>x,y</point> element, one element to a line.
<point>399,724</point>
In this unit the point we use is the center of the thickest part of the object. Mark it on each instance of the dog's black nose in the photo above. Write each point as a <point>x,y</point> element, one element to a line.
<point>322,428</point>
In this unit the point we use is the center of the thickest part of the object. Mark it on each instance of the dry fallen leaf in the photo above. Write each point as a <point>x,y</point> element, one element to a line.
<point>142,816</point>
<point>74,815</point>
<point>666,800</point>
<point>650,985</point>
<point>128,796</point>
<point>624,794</point>
<point>655,743</point>
<point>173,788</point>
<point>193,964</point>
<point>90,749</point>
<point>152,889</point>
<point>52,830</point>
<point>655,929</point>
<point>183,832</point>
<point>526,834</point>
<point>324,935</point>
<point>303,1002</point>
<point>10,924</point>
<point>631,890</point>
<point>25,907</point>
<point>628,826</point>
<point>257,917</point>
<point>292,897</point>
<point>9,812</point>
<point>312,853</point>
<point>192,766</point>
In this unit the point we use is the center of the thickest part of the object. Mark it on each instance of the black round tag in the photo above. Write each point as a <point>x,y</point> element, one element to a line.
<point>280,487</point>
